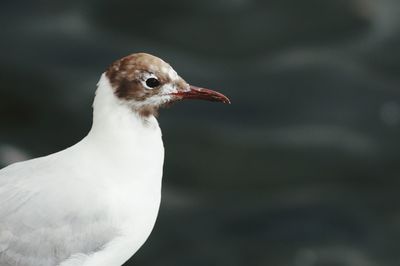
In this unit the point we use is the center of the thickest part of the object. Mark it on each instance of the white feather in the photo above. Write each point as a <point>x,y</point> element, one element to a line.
<point>92,204</point>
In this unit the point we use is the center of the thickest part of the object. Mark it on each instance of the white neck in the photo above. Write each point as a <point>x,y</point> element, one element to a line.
<point>124,154</point>
<point>110,113</point>
<point>122,135</point>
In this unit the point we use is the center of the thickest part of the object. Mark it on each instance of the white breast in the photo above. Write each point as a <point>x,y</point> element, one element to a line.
<point>93,204</point>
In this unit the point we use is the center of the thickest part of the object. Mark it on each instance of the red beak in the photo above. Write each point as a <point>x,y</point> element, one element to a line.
<point>202,94</point>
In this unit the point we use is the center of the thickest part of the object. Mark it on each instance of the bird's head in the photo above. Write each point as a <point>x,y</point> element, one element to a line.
<point>145,83</point>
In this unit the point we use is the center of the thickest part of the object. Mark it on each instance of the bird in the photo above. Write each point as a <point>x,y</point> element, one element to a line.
<point>96,202</point>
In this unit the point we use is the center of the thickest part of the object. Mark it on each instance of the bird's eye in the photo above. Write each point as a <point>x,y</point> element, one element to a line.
<point>152,82</point>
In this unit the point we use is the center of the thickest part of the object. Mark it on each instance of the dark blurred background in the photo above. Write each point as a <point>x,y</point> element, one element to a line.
<point>301,170</point>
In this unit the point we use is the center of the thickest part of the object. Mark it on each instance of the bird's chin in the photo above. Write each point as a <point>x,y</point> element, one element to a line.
<point>167,104</point>
<point>163,101</point>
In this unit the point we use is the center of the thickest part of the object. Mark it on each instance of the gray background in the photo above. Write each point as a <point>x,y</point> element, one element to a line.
<point>301,170</point>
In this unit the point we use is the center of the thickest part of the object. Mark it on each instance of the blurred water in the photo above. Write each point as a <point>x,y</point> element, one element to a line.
<point>302,169</point>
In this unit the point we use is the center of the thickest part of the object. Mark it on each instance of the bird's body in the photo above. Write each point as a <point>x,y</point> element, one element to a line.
<point>115,176</point>
<point>93,204</point>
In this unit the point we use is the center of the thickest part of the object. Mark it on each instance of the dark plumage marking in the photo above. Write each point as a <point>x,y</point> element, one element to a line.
<point>127,79</point>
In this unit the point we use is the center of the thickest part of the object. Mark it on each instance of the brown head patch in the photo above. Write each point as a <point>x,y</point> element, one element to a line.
<point>127,76</point>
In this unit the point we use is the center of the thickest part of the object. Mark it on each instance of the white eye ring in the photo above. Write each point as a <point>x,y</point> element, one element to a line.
<point>150,81</point>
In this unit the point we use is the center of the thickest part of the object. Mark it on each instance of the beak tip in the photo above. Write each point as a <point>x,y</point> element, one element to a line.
<point>224,99</point>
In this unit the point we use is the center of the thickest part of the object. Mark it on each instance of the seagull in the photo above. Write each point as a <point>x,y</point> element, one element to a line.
<point>96,203</point>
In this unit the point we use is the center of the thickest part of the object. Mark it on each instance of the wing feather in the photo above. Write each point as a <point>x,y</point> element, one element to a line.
<point>36,231</point>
